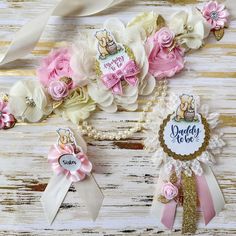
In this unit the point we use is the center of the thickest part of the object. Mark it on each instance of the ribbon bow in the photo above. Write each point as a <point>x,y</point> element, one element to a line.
<point>128,73</point>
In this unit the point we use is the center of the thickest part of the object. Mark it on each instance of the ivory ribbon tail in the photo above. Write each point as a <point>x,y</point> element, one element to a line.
<point>90,193</point>
<point>54,195</point>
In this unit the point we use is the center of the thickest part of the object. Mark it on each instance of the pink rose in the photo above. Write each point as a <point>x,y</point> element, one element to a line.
<point>215,14</point>
<point>164,37</point>
<point>169,191</point>
<point>55,66</point>
<point>58,90</point>
<point>164,62</point>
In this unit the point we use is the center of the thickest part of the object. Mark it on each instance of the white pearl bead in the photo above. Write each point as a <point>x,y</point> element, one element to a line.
<point>85,123</point>
<point>117,137</point>
<point>163,94</point>
<point>89,128</point>
<point>93,131</point>
<point>84,132</point>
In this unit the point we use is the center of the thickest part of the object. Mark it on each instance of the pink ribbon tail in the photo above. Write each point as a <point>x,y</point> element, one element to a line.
<point>205,199</point>
<point>168,214</point>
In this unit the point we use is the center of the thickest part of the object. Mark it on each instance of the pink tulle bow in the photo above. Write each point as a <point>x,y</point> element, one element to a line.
<point>128,73</point>
<point>56,152</point>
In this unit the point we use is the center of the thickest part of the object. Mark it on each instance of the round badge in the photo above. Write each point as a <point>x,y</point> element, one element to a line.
<point>184,139</point>
<point>69,162</point>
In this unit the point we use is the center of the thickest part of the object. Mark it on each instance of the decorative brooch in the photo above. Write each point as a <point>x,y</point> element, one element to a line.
<point>70,165</point>
<point>183,142</point>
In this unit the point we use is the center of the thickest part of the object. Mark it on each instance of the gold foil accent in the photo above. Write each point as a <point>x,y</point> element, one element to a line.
<point>129,52</point>
<point>173,178</point>
<point>184,157</point>
<point>56,104</point>
<point>4,97</point>
<point>66,80</point>
<point>160,22</point>
<point>219,34</point>
<point>189,204</point>
<point>162,199</point>
<point>97,68</point>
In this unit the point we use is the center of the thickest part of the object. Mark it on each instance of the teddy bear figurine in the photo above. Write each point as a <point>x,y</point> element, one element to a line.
<point>106,43</point>
<point>186,109</point>
<point>65,137</point>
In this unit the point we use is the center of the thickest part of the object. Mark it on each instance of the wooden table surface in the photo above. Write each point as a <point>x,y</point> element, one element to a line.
<point>123,169</point>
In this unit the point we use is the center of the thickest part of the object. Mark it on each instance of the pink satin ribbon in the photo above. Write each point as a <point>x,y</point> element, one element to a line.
<point>205,199</point>
<point>168,214</point>
<point>128,73</point>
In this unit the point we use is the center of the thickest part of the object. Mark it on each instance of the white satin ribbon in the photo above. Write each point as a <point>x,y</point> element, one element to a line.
<point>27,37</point>
<point>57,189</point>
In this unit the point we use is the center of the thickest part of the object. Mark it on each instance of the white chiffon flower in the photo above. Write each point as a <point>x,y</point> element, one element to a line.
<point>152,143</point>
<point>190,28</point>
<point>28,101</point>
<point>84,58</point>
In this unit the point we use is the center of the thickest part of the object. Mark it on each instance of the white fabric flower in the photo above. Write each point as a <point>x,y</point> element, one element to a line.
<point>28,101</point>
<point>190,28</point>
<point>83,59</point>
<point>106,100</point>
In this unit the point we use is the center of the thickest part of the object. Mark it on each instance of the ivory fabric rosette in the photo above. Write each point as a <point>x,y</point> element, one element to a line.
<point>29,101</point>
<point>77,106</point>
<point>84,60</point>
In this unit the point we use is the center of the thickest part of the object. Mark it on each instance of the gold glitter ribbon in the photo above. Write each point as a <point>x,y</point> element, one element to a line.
<point>189,204</point>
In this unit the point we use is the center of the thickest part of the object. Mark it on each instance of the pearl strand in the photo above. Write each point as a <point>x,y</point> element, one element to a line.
<point>92,132</point>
